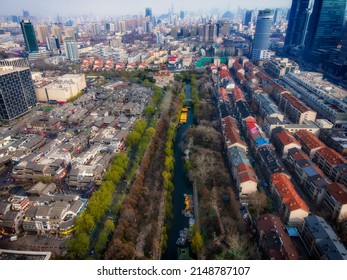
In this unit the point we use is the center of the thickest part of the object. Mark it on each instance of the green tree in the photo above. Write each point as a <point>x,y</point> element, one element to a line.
<point>78,247</point>
<point>197,241</point>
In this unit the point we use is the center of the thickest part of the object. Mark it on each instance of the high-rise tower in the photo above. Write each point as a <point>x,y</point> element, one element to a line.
<point>17,93</point>
<point>299,16</point>
<point>325,27</point>
<point>262,35</point>
<point>29,36</point>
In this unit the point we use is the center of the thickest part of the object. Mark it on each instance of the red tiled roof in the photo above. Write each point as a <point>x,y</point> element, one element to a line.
<point>269,224</point>
<point>247,177</point>
<point>286,190</point>
<point>331,156</point>
<point>286,138</point>
<point>338,191</point>
<point>224,73</point>
<point>233,135</point>
<point>230,121</point>
<point>245,168</point>
<point>240,76</point>
<point>308,139</point>
<point>277,87</point>
<point>237,94</point>
<point>297,103</point>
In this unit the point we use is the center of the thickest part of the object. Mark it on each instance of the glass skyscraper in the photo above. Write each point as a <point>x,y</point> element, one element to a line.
<point>262,34</point>
<point>297,25</point>
<point>325,26</point>
<point>29,36</point>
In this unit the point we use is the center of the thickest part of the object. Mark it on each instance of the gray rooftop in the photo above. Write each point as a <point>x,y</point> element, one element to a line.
<point>326,238</point>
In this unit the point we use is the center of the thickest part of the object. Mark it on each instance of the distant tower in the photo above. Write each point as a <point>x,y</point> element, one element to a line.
<point>29,36</point>
<point>182,15</point>
<point>42,33</point>
<point>26,14</point>
<point>71,50</point>
<point>249,17</point>
<point>148,12</point>
<point>262,35</point>
<point>57,32</point>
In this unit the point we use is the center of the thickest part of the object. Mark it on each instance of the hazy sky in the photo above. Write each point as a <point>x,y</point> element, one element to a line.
<point>126,7</point>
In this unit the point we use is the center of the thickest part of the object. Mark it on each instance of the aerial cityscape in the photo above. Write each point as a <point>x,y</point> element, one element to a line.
<point>185,130</point>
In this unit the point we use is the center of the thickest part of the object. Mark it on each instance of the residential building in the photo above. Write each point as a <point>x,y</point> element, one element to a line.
<point>278,67</point>
<point>274,240</point>
<point>262,35</point>
<point>307,174</point>
<point>310,143</point>
<point>335,201</point>
<point>283,141</point>
<point>333,164</point>
<point>335,138</point>
<point>17,94</point>
<point>71,50</point>
<point>42,33</point>
<point>267,107</point>
<point>291,206</point>
<point>56,31</point>
<point>295,109</point>
<point>320,240</point>
<point>29,36</point>
<point>323,96</point>
<point>89,167</point>
<point>52,213</point>
<point>269,162</point>
<point>232,135</point>
<point>246,180</point>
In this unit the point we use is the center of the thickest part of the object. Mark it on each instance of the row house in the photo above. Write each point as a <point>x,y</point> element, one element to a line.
<point>291,206</point>
<point>333,164</point>
<point>283,141</point>
<point>320,240</point>
<point>310,143</point>
<point>274,240</point>
<point>295,109</point>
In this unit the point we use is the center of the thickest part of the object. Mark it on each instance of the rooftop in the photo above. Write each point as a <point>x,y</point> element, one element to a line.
<point>325,238</point>
<point>286,190</point>
<point>308,139</point>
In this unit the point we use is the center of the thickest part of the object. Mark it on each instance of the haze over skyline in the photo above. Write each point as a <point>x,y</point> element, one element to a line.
<point>121,7</point>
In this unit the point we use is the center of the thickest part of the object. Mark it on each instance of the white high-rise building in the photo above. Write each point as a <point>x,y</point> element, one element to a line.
<point>71,50</point>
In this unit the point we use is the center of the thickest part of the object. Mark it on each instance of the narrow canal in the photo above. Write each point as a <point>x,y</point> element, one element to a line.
<point>182,187</point>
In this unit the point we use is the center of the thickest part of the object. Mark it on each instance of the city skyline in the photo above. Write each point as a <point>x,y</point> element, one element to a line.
<point>118,7</point>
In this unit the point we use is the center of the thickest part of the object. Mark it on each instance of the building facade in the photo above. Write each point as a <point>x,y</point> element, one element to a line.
<point>262,35</point>
<point>29,36</point>
<point>17,93</point>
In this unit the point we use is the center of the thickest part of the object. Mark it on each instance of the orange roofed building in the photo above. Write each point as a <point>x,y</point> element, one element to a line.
<point>293,209</point>
<point>309,142</point>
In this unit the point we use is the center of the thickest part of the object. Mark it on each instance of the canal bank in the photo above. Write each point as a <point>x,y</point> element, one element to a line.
<point>182,187</point>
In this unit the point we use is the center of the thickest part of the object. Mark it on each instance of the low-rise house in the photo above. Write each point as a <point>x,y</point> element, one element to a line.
<point>333,164</point>
<point>274,240</point>
<point>309,142</point>
<point>307,174</point>
<point>283,141</point>
<point>292,207</point>
<point>246,180</point>
<point>320,240</point>
<point>269,162</point>
<point>335,201</point>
